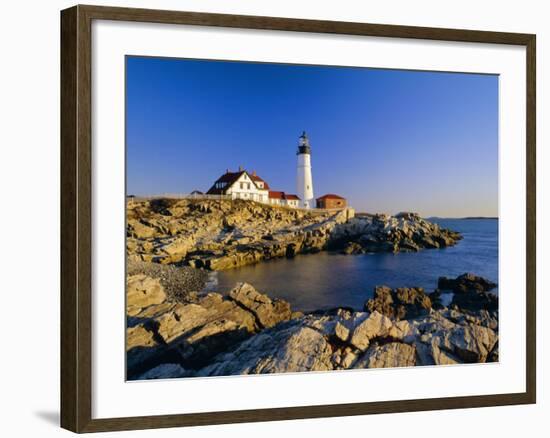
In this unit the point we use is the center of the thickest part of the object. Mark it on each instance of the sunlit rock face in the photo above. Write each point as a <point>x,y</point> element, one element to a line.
<point>220,235</point>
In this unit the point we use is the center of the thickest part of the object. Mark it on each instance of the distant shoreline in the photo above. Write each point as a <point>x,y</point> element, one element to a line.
<point>466,218</point>
<point>439,217</point>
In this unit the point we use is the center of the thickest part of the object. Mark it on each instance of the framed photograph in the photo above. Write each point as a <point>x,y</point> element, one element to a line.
<point>271,218</point>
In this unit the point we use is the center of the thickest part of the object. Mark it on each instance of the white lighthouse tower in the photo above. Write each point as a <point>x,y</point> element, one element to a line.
<point>304,181</point>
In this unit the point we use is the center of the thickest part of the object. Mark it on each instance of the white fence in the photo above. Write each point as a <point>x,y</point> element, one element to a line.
<point>180,196</point>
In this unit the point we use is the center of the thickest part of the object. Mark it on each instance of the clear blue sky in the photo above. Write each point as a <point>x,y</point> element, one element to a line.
<point>388,140</point>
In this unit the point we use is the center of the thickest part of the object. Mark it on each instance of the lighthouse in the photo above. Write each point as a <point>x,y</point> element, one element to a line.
<point>304,181</point>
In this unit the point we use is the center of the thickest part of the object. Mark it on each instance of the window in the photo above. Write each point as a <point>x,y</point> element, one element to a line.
<point>242,185</point>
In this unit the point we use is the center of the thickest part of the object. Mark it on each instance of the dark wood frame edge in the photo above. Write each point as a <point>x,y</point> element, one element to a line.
<point>76,168</point>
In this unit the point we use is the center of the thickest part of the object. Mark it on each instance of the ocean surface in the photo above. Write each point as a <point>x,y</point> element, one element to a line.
<point>327,280</point>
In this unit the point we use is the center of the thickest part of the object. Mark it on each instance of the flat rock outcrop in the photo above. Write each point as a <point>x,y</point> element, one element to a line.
<point>246,332</point>
<point>219,235</point>
<point>141,292</point>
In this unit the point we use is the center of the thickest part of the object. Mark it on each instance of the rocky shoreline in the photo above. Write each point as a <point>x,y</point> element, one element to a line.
<point>247,332</point>
<point>218,235</point>
<point>174,330</point>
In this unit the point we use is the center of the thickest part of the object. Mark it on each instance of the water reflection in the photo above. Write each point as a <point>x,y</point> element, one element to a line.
<point>325,280</point>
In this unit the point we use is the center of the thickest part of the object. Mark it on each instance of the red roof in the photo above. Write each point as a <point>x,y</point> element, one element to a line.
<point>330,196</point>
<point>282,195</point>
<point>276,195</point>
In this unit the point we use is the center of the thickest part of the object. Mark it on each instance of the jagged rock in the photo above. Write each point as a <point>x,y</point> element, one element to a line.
<point>400,330</point>
<point>399,303</point>
<point>382,301</point>
<point>473,343</point>
<point>471,292</point>
<point>391,355</point>
<point>141,292</point>
<point>352,248</point>
<point>348,359</point>
<point>375,326</point>
<point>267,312</point>
<point>247,332</point>
<point>382,233</point>
<point>289,347</point>
<point>429,353</point>
<point>448,342</point>
<point>341,332</point>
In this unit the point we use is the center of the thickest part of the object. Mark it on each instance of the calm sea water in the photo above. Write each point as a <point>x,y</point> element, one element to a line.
<point>325,280</point>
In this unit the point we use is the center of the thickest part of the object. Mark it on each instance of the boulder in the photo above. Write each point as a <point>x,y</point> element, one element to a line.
<point>352,248</point>
<point>382,301</point>
<point>399,303</point>
<point>465,282</point>
<point>341,332</point>
<point>268,312</point>
<point>375,326</point>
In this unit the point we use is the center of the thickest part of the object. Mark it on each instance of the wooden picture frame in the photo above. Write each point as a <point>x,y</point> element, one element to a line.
<point>76,217</point>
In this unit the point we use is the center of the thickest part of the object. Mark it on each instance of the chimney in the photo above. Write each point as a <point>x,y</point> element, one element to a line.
<point>240,168</point>
<point>226,170</point>
<point>253,173</point>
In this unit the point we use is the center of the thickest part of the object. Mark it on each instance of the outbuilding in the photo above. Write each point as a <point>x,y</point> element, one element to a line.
<point>331,201</point>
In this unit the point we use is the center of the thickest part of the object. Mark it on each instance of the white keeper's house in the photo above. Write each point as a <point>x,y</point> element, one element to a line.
<point>249,186</point>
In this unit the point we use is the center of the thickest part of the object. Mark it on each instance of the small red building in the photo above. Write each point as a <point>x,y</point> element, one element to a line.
<point>330,201</point>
